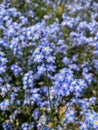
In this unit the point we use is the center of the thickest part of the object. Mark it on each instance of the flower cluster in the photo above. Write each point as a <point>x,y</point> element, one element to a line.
<point>3,62</point>
<point>43,56</point>
<point>90,122</point>
<point>49,65</point>
<point>16,69</point>
<point>66,84</point>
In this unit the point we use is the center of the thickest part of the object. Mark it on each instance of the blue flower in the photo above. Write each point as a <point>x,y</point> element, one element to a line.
<point>28,80</point>
<point>47,50</point>
<point>50,67</point>
<point>1,80</point>
<point>3,90</point>
<point>60,77</point>
<point>50,59</point>
<point>70,116</point>
<point>4,105</point>
<point>2,69</point>
<point>83,126</point>
<point>91,121</point>
<point>66,61</point>
<point>69,77</point>
<point>65,86</point>
<point>41,69</point>
<point>3,61</point>
<point>7,126</point>
<point>16,69</point>
<point>25,126</point>
<point>92,100</point>
<point>38,58</point>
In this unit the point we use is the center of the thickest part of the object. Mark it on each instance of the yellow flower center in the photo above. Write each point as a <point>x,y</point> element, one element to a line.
<point>1,53</point>
<point>91,117</point>
<point>62,71</point>
<point>36,50</point>
<point>60,77</point>
<point>69,77</point>
<point>81,82</point>
<point>71,112</point>
<point>96,122</point>
<point>70,118</point>
<point>46,48</point>
<point>38,56</point>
